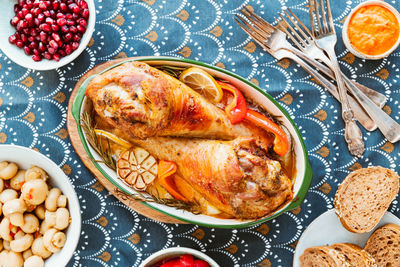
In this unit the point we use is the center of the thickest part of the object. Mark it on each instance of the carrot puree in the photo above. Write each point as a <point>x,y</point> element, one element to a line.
<point>373,30</point>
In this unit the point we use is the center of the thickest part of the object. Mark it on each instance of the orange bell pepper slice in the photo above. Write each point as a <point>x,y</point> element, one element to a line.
<point>236,110</point>
<point>166,171</point>
<point>281,142</point>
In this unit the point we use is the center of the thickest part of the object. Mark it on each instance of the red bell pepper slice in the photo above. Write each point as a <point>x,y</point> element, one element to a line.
<point>281,142</point>
<point>236,110</point>
<point>172,263</point>
<point>166,171</point>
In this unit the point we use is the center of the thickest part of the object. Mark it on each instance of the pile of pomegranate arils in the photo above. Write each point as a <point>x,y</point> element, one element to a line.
<point>49,29</point>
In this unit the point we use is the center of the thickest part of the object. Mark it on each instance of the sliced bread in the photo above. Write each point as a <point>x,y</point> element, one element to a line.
<point>364,196</point>
<point>322,256</point>
<point>384,245</point>
<point>354,255</point>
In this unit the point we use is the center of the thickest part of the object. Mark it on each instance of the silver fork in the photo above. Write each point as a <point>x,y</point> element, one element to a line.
<point>276,40</point>
<point>279,54</point>
<point>325,38</point>
<point>305,42</point>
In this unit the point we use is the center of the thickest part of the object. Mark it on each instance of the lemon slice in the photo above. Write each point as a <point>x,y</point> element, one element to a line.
<point>137,167</point>
<point>113,138</point>
<point>203,83</point>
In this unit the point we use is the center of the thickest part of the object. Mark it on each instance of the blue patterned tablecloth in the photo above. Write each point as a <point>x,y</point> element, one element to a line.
<point>33,107</point>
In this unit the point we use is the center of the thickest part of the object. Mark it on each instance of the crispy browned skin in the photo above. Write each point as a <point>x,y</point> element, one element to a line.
<point>235,176</point>
<point>145,102</point>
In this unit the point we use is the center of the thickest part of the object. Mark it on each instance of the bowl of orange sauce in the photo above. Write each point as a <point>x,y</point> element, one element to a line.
<point>372,30</point>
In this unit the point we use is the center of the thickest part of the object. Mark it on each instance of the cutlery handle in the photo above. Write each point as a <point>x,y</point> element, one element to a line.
<point>389,127</point>
<point>378,98</point>
<point>353,135</point>
<point>359,113</point>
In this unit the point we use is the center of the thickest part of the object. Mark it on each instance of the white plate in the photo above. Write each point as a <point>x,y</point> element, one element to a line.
<point>26,158</point>
<point>327,230</point>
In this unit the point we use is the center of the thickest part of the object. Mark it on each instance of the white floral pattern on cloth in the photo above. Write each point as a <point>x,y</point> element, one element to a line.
<point>33,113</point>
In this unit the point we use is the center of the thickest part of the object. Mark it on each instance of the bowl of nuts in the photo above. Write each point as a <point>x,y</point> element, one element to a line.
<point>40,219</point>
<point>45,34</point>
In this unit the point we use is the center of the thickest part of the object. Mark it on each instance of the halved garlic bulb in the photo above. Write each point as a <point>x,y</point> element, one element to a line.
<point>137,167</point>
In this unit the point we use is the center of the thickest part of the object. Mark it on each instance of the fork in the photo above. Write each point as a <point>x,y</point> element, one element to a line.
<point>362,117</point>
<point>305,42</point>
<point>276,40</point>
<point>325,38</point>
<point>389,128</point>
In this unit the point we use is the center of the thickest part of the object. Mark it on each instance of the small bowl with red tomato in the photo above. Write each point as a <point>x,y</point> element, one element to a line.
<point>179,257</point>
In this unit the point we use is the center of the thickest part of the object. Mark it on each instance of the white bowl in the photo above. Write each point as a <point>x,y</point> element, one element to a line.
<point>18,55</point>
<point>346,25</point>
<point>26,158</point>
<point>174,252</point>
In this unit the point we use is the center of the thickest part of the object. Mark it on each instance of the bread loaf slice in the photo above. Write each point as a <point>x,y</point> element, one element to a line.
<point>384,245</point>
<point>364,196</point>
<point>322,256</point>
<point>355,255</point>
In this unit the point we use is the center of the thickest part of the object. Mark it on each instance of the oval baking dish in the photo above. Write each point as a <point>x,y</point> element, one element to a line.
<point>303,176</point>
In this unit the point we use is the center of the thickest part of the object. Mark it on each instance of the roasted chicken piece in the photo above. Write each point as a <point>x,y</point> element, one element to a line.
<point>235,176</point>
<point>144,102</point>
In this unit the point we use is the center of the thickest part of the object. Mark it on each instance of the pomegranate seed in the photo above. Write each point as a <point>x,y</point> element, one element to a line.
<point>52,14</point>
<point>75,16</point>
<point>36,21</point>
<point>81,29</point>
<point>16,8</point>
<point>19,43</point>
<point>75,45</point>
<point>21,2</point>
<point>40,17</point>
<point>55,5</point>
<point>65,28</point>
<point>31,38</point>
<point>68,16</point>
<point>29,18</point>
<point>45,27</point>
<point>33,32</point>
<point>20,15</point>
<point>85,13</point>
<point>24,11</point>
<point>60,16</point>
<point>75,8</point>
<point>76,38</point>
<point>61,22</point>
<point>70,22</point>
<point>35,52</point>
<point>49,21</point>
<point>53,44</point>
<point>47,13</point>
<point>47,55</point>
<point>36,57</point>
<point>68,36</point>
<point>63,7</point>
<point>56,37</point>
<point>42,5</point>
<point>43,37</point>
<point>51,50</point>
<point>26,30</point>
<point>24,38</point>
<point>82,22</point>
<point>21,25</point>
<point>62,53</point>
<point>73,29</point>
<point>27,51</point>
<point>41,47</point>
<point>12,39</point>
<point>68,49</point>
<point>29,4</point>
<point>82,4</point>
<point>55,28</point>
<point>33,45</point>
<point>36,12</point>
<point>14,21</point>
<point>56,57</point>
